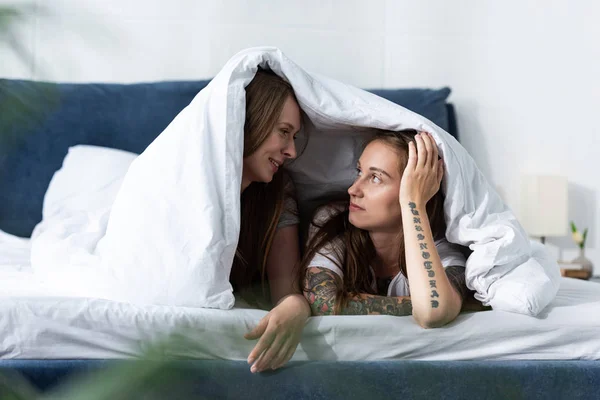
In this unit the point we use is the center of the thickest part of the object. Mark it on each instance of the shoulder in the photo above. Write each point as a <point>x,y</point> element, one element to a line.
<point>327,212</point>
<point>322,216</point>
<point>289,215</point>
<point>288,184</point>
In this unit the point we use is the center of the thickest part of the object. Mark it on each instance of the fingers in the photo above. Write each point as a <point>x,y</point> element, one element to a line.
<point>258,329</point>
<point>267,357</point>
<point>276,356</point>
<point>258,360</point>
<point>412,156</point>
<point>434,151</point>
<point>288,356</point>
<point>253,368</point>
<point>280,359</point>
<point>427,151</point>
<point>257,353</point>
<point>421,150</point>
<point>288,350</point>
<point>263,344</point>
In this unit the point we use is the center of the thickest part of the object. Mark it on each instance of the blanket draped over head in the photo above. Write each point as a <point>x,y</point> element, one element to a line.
<point>170,235</point>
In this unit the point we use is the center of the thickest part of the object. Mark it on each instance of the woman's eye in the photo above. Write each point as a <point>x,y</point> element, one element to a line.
<point>376,179</point>
<point>358,172</point>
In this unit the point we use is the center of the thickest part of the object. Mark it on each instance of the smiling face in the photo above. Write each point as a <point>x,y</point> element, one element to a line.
<point>374,204</point>
<point>265,161</point>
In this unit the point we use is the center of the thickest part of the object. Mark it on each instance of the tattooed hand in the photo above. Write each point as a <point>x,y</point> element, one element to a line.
<point>423,174</point>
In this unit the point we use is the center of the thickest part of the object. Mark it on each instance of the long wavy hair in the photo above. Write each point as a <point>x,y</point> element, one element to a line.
<point>358,251</point>
<point>261,203</point>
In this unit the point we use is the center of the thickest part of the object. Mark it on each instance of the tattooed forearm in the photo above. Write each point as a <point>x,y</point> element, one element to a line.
<point>321,286</point>
<point>425,254</point>
<point>368,304</point>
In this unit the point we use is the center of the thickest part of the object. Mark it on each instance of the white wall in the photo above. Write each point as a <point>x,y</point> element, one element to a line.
<point>524,73</point>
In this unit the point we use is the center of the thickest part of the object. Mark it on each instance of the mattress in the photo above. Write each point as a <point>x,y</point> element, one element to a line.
<point>38,324</point>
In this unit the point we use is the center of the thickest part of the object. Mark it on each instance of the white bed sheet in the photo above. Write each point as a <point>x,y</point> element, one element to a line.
<point>35,324</point>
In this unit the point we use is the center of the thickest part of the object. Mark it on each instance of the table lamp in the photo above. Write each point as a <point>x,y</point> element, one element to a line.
<point>544,205</point>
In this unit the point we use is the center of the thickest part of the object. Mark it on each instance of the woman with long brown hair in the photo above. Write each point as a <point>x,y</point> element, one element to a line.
<point>384,251</point>
<point>268,250</point>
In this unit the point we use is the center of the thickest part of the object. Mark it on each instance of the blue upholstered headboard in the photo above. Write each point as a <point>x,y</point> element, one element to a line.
<point>40,121</point>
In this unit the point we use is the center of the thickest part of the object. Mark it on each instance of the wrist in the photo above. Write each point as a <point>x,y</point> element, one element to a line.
<point>410,202</point>
<point>300,301</point>
<point>414,212</point>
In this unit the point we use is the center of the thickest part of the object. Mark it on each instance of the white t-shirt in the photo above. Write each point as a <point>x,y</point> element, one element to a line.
<point>450,255</point>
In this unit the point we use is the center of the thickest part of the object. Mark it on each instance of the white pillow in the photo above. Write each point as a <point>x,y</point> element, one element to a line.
<point>76,208</point>
<point>89,179</point>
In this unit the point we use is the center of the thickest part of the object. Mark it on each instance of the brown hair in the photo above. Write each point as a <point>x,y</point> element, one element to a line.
<point>358,251</point>
<point>261,203</point>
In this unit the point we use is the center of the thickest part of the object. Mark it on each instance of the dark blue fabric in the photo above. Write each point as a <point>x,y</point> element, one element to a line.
<point>452,124</point>
<point>40,121</point>
<point>430,103</point>
<point>349,380</point>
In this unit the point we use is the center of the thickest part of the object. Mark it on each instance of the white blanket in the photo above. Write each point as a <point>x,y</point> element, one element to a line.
<point>171,234</point>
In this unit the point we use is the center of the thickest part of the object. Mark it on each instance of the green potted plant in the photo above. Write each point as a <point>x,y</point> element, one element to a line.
<point>580,238</point>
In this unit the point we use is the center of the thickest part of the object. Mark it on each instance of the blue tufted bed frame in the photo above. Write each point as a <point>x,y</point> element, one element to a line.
<point>40,121</point>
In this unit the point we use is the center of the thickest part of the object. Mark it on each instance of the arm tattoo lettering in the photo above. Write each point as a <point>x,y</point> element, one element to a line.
<point>428,264</point>
<point>432,284</point>
<point>417,220</point>
<point>434,293</point>
<point>420,237</point>
<point>418,228</point>
<point>434,304</point>
<point>430,273</point>
<point>423,246</point>
<point>412,205</point>
<point>425,255</point>
<point>415,212</point>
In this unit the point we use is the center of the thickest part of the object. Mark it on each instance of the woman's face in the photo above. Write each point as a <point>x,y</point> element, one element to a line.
<point>374,204</point>
<point>261,165</point>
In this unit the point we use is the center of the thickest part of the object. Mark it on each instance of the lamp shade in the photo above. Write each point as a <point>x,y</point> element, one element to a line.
<point>544,205</point>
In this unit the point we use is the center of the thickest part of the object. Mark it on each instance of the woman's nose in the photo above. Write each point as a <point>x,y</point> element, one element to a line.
<point>355,190</point>
<point>290,149</point>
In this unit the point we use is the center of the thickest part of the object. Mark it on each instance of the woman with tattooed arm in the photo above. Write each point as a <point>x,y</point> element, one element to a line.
<point>385,251</point>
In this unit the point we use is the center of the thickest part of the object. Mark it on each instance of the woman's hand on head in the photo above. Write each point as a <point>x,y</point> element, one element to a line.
<point>280,332</point>
<point>424,171</point>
